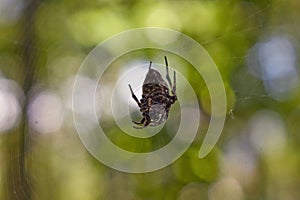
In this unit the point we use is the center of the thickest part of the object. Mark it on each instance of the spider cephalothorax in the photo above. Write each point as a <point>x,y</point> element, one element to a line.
<point>156,99</point>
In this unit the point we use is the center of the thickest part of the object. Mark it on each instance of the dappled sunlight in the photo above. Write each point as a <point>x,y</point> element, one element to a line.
<point>240,161</point>
<point>93,25</point>
<point>267,132</point>
<point>87,102</point>
<point>193,191</point>
<point>66,110</point>
<point>161,17</point>
<point>226,188</point>
<point>10,104</point>
<point>10,11</point>
<point>46,112</point>
<point>274,62</point>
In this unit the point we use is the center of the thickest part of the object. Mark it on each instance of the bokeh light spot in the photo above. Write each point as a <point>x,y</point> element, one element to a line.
<point>10,109</point>
<point>46,112</point>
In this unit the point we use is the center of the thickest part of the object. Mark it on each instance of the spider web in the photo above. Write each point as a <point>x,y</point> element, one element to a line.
<point>247,86</point>
<point>254,92</point>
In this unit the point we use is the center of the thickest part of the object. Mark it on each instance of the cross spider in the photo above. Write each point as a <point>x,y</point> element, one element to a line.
<point>156,100</point>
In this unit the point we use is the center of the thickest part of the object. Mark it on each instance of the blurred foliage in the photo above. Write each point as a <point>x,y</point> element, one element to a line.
<point>42,45</point>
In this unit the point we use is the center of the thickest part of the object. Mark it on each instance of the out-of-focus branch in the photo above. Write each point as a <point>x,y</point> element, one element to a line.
<point>18,175</point>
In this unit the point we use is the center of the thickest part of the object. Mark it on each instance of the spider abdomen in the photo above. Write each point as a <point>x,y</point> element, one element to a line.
<point>157,114</point>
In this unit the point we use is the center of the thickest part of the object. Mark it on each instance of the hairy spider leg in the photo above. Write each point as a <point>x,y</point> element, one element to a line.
<point>168,77</point>
<point>138,127</point>
<point>167,70</point>
<point>146,118</point>
<point>150,65</point>
<point>133,96</point>
<point>145,121</point>
<point>174,82</point>
<point>141,122</point>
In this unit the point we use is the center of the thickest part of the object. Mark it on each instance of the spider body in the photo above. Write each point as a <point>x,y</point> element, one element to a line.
<point>156,99</point>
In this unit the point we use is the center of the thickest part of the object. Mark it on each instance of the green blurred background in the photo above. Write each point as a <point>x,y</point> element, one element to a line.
<point>254,43</point>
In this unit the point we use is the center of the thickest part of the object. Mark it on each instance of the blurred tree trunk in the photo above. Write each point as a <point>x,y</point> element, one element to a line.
<point>19,184</point>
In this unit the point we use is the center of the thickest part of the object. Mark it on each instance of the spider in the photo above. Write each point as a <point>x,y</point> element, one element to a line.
<point>156,100</point>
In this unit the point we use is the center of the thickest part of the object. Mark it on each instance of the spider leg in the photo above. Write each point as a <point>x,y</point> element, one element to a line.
<point>148,120</point>
<point>150,65</point>
<point>174,82</point>
<point>145,121</point>
<point>168,77</point>
<point>138,127</point>
<point>139,123</point>
<point>167,70</point>
<point>133,96</point>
